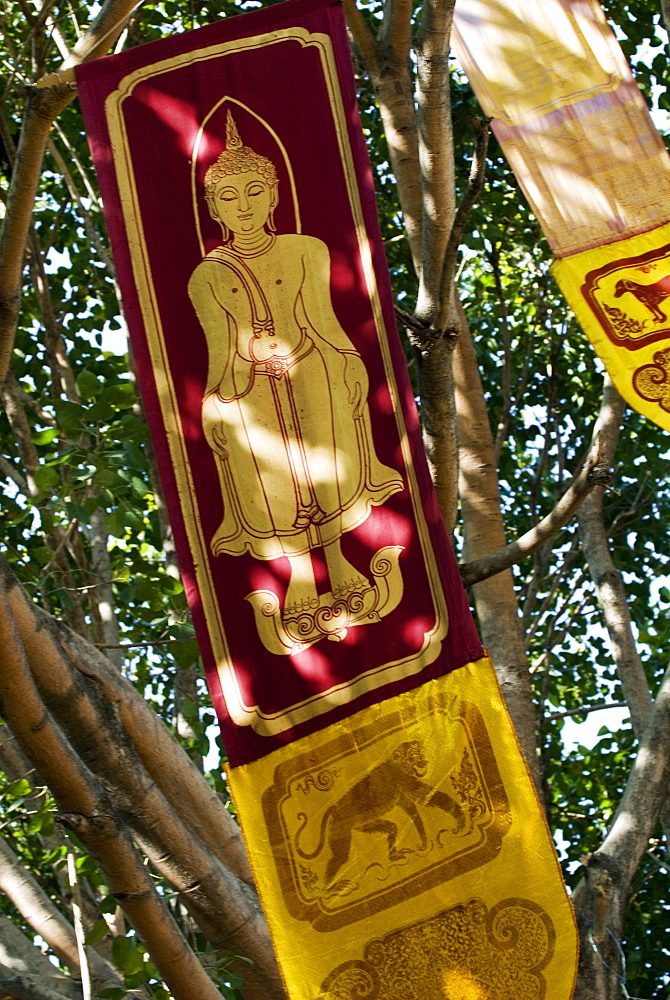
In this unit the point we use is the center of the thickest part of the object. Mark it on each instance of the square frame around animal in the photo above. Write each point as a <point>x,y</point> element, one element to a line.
<point>626,303</point>
<point>371,794</point>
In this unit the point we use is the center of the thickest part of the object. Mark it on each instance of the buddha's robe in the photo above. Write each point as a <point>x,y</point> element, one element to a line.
<point>285,410</point>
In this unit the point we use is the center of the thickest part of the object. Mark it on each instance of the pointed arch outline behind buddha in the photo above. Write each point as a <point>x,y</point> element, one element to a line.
<point>207,140</point>
<point>285,410</point>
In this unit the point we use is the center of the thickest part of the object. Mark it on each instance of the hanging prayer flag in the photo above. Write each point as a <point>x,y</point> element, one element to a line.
<point>576,130</point>
<point>379,786</point>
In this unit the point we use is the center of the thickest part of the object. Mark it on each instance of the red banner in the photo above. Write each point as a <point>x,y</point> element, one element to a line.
<point>316,564</point>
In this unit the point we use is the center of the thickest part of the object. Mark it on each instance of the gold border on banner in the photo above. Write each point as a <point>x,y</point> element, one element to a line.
<point>386,673</point>
<point>403,851</point>
<point>620,294</point>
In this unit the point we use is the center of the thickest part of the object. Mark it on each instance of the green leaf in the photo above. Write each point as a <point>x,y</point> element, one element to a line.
<point>114,524</point>
<point>98,931</point>
<point>46,477</point>
<point>20,787</point>
<point>45,436</point>
<point>88,385</point>
<point>105,477</point>
<point>121,947</point>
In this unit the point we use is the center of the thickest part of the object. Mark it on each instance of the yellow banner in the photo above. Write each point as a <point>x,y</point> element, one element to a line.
<point>402,853</point>
<point>621,296</point>
<point>577,133</point>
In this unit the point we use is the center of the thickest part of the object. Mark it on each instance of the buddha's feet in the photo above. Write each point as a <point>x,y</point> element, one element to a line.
<point>307,618</point>
<point>301,595</point>
<point>344,578</point>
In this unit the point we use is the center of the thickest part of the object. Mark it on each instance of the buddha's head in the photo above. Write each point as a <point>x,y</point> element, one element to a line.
<point>241,187</point>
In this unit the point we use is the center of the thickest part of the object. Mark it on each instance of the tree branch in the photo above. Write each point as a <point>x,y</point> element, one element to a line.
<point>22,986</point>
<point>91,232</point>
<point>665,10</point>
<point>43,105</point>
<point>19,954</point>
<point>613,601</point>
<point>434,330</point>
<point>390,74</point>
<point>103,31</point>
<point>362,36</point>
<point>594,472</point>
<point>484,531</point>
<point>80,933</point>
<point>475,182</point>
<point>505,386</point>
<point>396,29</point>
<point>600,900</point>
<point>8,471</point>
<point>585,710</point>
<point>45,919</point>
<point>436,152</point>
<point>86,810</point>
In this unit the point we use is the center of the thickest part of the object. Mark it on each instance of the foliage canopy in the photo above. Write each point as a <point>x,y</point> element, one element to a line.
<point>83,526</point>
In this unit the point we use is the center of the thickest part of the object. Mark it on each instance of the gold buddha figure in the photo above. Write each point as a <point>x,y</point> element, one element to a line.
<point>285,408</point>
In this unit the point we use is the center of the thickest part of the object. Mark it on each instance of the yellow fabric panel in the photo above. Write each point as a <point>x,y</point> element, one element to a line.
<point>526,59</point>
<point>570,120</point>
<point>620,294</point>
<point>402,853</point>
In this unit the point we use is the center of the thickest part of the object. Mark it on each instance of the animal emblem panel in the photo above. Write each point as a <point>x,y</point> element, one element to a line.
<point>620,294</point>
<point>391,847</point>
<point>630,298</point>
<point>350,843</point>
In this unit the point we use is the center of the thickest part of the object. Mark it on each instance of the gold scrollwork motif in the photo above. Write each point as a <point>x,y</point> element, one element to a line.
<point>285,631</point>
<point>653,381</point>
<point>469,952</point>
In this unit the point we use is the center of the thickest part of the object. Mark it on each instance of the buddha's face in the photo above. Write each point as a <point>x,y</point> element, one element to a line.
<point>243,202</point>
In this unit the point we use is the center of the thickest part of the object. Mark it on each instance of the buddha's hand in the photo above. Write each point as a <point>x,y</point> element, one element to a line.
<point>356,381</point>
<point>213,423</point>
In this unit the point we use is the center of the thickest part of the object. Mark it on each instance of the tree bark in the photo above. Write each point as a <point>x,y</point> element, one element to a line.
<point>18,954</point>
<point>24,986</point>
<point>178,819</point>
<point>483,533</point>
<point>436,155</point>
<point>387,62</point>
<point>600,901</point>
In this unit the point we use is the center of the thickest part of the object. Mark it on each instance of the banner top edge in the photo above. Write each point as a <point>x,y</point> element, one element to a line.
<point>228,28</point>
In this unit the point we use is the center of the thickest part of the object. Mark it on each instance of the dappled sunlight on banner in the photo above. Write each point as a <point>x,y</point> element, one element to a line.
<point>409,865</point>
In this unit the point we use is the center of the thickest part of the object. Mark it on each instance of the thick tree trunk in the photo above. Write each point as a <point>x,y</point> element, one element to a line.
<point>483,533</point>
<point>600,901</point>
<point>152,783</point>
